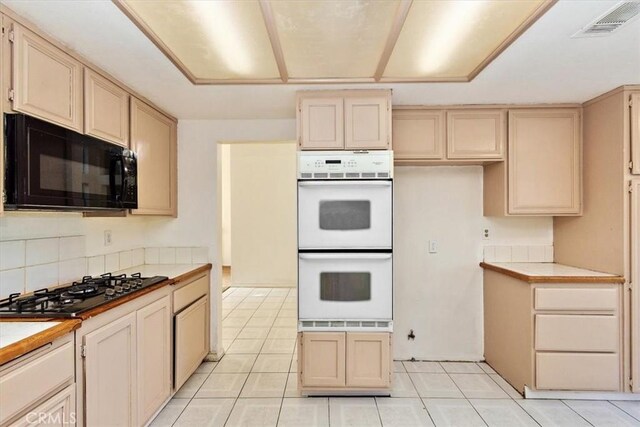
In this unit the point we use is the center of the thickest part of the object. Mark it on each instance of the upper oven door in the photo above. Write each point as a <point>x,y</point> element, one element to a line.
<point>59,168</point>
<point>345,214</point>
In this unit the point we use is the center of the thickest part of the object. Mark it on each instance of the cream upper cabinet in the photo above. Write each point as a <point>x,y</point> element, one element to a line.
<point>110,374</point>
<point>153,335</point>
<point>544,165</point>
<point>153,139</point>
<point>635,276</point>
<point>106,109</point>
<point>349,119</point>
<point>321,123</point>
<point>47,83</point>
<point>418,134</point>
<point>323,359</point>
<point>635,133</point>
<point>367,123</point>
<point>476,134</point>
<point>368,360</point>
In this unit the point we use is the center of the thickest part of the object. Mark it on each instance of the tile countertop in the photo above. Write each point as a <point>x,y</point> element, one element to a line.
<point>549,272</point>
<point>20,337</point>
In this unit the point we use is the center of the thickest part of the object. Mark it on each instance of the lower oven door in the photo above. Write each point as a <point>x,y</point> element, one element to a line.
<point>345,286</point>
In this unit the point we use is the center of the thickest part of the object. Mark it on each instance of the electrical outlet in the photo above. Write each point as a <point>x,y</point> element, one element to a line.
<point>486,235</point>
<point>433,247</point>
<point>107,238</point>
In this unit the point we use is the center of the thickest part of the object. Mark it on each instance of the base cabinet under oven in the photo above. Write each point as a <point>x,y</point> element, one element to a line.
<point>345,286</point>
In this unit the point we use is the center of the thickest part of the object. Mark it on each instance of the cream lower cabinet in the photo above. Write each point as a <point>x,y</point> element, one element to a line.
<point>153,330</point>
<point>39,387</point>
<point>635,278</point>
<point>110,374</point>
<point>344,361</point>
<point>554,336</point>
<point>153,139</point>
<point>191,339</point>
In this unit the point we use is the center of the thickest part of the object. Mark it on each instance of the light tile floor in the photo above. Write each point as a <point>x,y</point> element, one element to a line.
<point>255,385</point>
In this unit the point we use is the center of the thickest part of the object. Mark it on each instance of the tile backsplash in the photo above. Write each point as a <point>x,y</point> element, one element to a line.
<point>31,264</point>
<point>536,253</point>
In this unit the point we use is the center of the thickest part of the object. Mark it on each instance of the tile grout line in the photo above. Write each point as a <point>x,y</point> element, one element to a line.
<point>578,413</point>
<point>623,410</point>
<point>465,396</point>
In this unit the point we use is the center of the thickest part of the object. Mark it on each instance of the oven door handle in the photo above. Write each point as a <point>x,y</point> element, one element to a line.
<point>345,255</point>
<point>379,183</point>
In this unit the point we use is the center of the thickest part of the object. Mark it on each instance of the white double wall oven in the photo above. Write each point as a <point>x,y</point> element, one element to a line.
<point>345,240</point>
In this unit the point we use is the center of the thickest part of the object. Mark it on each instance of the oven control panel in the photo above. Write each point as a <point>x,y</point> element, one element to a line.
<point>345,164</point>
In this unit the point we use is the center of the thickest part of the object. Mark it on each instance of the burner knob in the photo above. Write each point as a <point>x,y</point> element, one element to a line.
<point>109,293</point>
<point>118,289</point>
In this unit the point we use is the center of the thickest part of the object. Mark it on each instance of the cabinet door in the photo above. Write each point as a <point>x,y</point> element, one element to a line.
<point>321,123</point>
<point>323,359</point>
<point>47,82</point>
<point>368,359</point>
<point>106,109</point>
<point>153,324</point>
<point>635,133</point>
<point>418,134</point>
<point>367,123</point>
<point>191,340</point>
<point>476,134</point>
<point>545,162</point>
<point>59,410</point>
<point>153,139</point>
<point>110,374</point>
<point>635,280</point>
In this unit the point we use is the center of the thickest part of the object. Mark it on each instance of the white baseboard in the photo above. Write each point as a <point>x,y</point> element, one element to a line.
<point>579,395</point>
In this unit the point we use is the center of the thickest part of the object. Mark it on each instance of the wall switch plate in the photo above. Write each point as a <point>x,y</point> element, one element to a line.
<point>433,247</point>
<point>107,238</point>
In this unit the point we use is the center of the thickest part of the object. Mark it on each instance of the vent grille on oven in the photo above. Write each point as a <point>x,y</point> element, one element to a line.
<point>346,324</point>
<point>340,175</point>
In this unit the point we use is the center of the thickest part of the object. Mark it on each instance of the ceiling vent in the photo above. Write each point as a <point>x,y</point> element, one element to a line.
<point>615,18</point>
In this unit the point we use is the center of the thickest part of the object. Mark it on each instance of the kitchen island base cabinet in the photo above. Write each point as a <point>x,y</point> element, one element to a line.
<point>344,362</point>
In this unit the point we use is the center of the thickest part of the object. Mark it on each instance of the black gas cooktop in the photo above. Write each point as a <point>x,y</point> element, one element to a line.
<point>76,298</point>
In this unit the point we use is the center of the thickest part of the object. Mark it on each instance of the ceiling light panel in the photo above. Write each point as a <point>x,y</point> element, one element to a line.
<point>333,39</point>
<point>452,40</point>
<point>209,40</point>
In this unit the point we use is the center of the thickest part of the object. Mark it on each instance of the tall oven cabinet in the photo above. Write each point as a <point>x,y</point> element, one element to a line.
<point>345,272</point>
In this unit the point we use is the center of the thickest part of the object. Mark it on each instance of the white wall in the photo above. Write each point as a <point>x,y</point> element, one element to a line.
<point>263,208</point>
<point>439,295</point>
<point>225,189</point>
<point>197,187</point>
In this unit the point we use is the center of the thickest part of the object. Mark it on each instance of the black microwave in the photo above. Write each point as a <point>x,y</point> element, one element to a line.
<point>48,167</point>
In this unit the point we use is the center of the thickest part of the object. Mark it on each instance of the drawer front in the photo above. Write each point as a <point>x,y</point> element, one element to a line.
<point>577,333</point>
<point>578,371</point>
<point>597,299</point>
<point>31,382</point>
<point>190,293</point>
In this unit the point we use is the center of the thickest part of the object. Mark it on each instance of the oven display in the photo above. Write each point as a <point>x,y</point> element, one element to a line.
<point>333,162</point>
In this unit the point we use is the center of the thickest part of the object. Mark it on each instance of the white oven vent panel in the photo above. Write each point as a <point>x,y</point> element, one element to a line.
<point>346,325</point>
<point>611,21</point>
<point>320,165</point>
